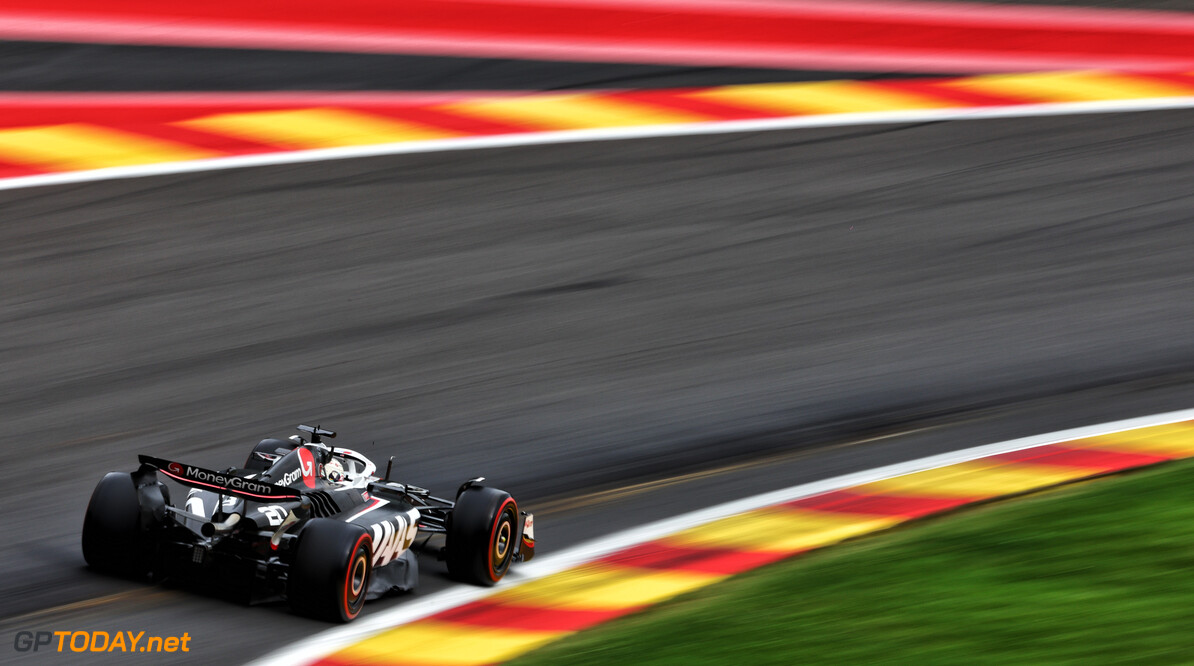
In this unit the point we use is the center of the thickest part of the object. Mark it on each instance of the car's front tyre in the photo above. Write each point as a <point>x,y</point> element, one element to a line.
<point>481,535</point>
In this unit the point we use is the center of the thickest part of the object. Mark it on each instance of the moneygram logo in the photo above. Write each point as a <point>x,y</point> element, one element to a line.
<point>99,641</point>
<point>227,481</point>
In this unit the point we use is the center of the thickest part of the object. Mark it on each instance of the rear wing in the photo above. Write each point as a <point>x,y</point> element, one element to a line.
<point>220,482</point>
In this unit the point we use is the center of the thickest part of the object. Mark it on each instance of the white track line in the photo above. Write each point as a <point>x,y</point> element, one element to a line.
<point>610,134</point>
<point>329,641</point>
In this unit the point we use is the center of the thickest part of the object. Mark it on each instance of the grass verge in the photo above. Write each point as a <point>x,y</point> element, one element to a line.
<point>1093,573</point>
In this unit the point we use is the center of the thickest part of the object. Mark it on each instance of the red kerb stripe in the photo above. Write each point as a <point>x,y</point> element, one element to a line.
<point>1093,459</point>
<point>446,119</point>
<point>845,501</point>
<point>656,555</point>
<point>530,618</point>
<point>683,100</point>
<point>938,89</point>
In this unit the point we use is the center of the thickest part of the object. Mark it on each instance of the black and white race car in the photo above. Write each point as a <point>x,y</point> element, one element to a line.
<point>302,521</point>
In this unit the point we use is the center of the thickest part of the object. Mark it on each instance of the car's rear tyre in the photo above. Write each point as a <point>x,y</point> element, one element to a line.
<point>115,539</point>
<point>275,447</point>
<point>481,535</point>
<point>329,575</point>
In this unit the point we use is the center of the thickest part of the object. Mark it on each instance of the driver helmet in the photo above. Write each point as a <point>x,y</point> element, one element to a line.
<point>333,471</point>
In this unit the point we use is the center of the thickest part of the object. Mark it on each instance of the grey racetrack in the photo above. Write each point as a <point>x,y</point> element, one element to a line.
<point>581,317</point>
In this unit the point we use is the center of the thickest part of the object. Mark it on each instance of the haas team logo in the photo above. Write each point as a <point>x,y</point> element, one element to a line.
<point>307,466</point>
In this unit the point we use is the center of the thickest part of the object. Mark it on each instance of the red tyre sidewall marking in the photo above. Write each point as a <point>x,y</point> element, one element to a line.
<point>497,520</point>
<point>351,567</point>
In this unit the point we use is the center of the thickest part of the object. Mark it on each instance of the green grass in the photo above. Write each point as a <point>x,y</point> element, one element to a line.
<point>1095,573</point>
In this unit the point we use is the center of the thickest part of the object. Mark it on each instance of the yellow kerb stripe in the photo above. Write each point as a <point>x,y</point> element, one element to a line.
<point>1175,440</point>
<point>572,111</point>
<point>783,530</point>
<point>979,479</point>
<point>315,128</point>
<point>444,644</point>
<point>81,146</point>
<point>821,97</point>
<point>1072,86</point>
<point>604,587</point>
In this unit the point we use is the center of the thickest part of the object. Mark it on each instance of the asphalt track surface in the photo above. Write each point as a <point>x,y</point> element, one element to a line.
<point>579,318</point>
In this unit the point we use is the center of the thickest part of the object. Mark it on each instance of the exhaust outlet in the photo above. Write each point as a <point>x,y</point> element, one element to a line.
<point>213,528</point>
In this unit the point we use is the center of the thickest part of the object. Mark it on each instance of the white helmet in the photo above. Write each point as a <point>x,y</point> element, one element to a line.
<point>333,471</point>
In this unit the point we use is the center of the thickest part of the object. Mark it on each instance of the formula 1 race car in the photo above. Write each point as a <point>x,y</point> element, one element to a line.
<point>301,521</point>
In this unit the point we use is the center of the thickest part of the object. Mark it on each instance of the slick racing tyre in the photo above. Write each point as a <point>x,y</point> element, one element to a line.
<point>115,539</point>
<point>273,447</point>
<point>481,532</point>
<point>330,573</point>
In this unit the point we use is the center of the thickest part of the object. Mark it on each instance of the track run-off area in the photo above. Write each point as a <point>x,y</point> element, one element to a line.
<point>631,308</point>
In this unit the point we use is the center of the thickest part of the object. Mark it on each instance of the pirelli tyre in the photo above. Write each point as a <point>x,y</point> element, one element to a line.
<point>123,510</point>
<point>481,535</point>
<point>329,574</point>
